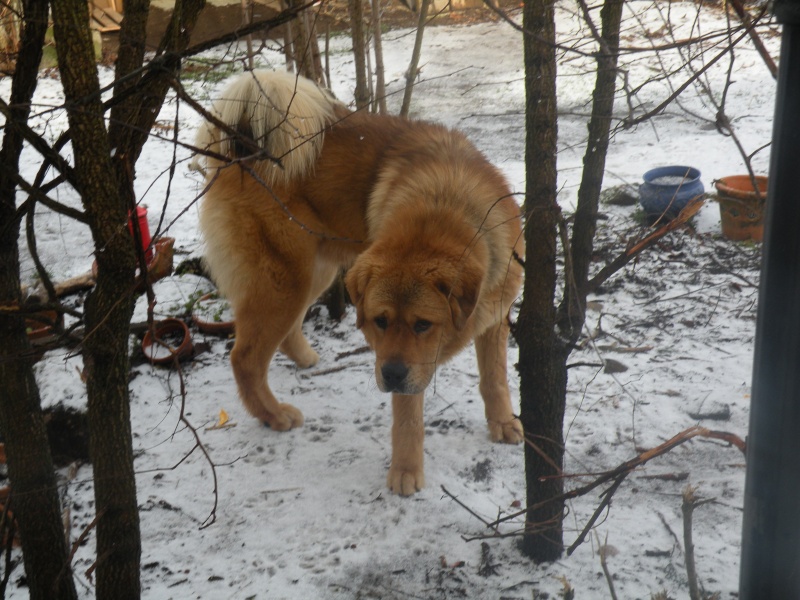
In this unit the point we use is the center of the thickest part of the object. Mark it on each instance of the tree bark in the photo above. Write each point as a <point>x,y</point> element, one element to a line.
<point>379,102</point>
<point>542,354</point>
<point>573,308</point>
<point>546,336</point>
<point>34,498</point>
<point>106,186</point>
<point>108,311</point>
<point>359,54</point>
<point>413,66</point>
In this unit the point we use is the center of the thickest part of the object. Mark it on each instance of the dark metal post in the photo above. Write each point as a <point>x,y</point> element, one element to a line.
<point>770,567</point>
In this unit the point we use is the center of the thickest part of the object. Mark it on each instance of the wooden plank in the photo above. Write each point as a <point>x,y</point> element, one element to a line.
<point>104,20</point>
<point>113,15</point>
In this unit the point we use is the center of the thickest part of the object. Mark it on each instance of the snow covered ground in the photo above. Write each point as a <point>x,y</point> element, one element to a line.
<point>306,514</point>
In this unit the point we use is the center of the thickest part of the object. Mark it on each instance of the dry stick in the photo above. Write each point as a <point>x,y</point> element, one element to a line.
<point>604,551</point>
<point>467,508</point>
<point>635,247</point>
<point>212,516</point>
<point>628,123</point>
<point>691,572</point>
<point>625,468</point>
<point>411,74</point>
<point>690,502</point>
<point>79,542</point>
<point>756,39</point>
<point>605,503</point>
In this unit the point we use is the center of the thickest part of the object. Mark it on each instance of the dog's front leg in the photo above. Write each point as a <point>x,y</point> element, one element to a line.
<point>406,475</point>
<point>491,349</point>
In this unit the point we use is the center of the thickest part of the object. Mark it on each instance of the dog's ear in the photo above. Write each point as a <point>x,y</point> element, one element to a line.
<point>356,281</point>
<point>461,292</point>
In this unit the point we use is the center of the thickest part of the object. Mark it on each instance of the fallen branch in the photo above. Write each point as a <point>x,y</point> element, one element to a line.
<point>615,476</point>
<point>635,247</point>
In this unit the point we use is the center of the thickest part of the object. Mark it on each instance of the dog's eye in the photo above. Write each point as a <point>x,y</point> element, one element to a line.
<point>381,322</point>
<point>422,326</point>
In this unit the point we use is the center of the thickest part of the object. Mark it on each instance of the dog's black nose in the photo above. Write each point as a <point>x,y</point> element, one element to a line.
<point>394,376</point>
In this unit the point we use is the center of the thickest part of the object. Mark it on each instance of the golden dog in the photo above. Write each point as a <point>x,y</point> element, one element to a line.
<point>298,187</point>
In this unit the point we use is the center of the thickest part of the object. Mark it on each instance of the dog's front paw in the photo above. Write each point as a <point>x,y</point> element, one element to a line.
<point>507,432</point>
<point>287,418</point>
<point>405,482</point>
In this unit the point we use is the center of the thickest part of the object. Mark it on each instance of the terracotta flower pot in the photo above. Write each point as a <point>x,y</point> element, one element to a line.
<point>741,209</point>
<point>172,338</point>
<point>39,328</point>
<point>212,314</point>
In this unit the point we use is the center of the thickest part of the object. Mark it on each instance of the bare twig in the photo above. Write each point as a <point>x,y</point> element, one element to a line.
<point>690,502</point>
<point>635,247</point>
<point>615,476</point>
<point>605,551</point>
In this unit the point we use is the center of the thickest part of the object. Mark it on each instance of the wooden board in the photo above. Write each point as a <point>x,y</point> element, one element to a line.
<point>104,18</point>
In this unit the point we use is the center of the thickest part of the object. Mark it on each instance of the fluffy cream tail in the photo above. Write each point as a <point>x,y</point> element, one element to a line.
<point>284,114</point>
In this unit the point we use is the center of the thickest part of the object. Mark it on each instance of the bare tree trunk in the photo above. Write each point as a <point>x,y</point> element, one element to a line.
<point>573,307</point>
<point>34,498</point>
<point>542,355</point>
<point>247,19</point>
<point>301,42</point>
<point>379,100</point>
<point>288,38</point>
<point>108,311</point>
<point>545,343</point>
<point>106,187</point>
<point>316,58</point>
<point>411,74</point>
<point>359,55</point>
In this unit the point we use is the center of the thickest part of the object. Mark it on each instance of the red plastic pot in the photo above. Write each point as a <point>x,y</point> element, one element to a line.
<point>144,230</point>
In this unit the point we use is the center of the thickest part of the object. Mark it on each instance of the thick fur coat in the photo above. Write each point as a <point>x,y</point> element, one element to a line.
<point>299,187</point>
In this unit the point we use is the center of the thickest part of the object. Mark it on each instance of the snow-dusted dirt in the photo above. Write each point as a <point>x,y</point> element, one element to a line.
<point>306,514</point>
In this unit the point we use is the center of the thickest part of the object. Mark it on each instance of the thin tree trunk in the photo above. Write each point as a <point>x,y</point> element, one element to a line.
<point>573,308</point>
<point>247,19</point>
<point>359,55</point>
<point>288,51</point>
<point>107,312</point>
<point>380,82</point>
<point>316,58</point>
<point>411,74</point>
<point>34,498</point>
<point>542,355</point>
<point>301,43</point>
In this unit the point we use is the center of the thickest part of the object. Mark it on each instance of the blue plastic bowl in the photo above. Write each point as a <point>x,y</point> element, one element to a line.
<point>667,190</point>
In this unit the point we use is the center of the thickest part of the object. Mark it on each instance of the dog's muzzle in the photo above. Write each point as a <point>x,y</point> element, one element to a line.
<point>394,375</point>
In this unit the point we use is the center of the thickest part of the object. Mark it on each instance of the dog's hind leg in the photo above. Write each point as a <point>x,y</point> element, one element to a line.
<point>256,343</point>
<point>297,348</point>
<point>295,345</point>
<point>491,348</point>
<point>270,308</point>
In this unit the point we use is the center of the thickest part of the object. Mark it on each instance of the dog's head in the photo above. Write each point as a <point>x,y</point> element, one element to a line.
<point>411,312</point>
